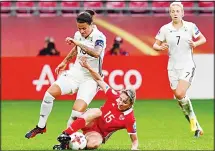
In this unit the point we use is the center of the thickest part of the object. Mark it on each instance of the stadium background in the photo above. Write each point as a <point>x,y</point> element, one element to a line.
<point>25,76</point>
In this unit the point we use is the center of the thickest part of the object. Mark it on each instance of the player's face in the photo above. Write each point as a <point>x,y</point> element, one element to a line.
<point>123,102</point>
<point>85,29</point>
<point>176,13</point>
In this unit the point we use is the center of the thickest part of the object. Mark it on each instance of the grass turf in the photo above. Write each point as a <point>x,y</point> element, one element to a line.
<point>160,126</point>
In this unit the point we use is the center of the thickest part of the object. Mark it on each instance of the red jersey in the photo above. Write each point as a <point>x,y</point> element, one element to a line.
<point>113,119</point>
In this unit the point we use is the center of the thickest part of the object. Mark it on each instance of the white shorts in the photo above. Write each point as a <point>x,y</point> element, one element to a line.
<point>175,75</point>
<point>72,81</point>
<point>68,82</point>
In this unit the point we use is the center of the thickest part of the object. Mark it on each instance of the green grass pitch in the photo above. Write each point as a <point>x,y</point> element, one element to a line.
<point>160,126</point>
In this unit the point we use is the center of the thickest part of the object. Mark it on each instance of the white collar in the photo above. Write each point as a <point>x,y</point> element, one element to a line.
<point>170,25</point>
<point>128,111</point>
<point>91,34</point>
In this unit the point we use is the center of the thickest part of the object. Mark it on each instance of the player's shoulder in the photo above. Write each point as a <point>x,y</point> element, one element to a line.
<point>188,24</point>
<point>129,114</point>
<point>113,92</point>
<point>98,34</point>
<point>166,26</point>
<point>77,34</point>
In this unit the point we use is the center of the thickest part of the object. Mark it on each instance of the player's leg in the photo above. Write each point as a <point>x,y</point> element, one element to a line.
<point>81,122</point>
<point>94,140</point>
<point>60,87</point>
<point>185,80</point>
<point>86,92</point>
<point>173,79</point>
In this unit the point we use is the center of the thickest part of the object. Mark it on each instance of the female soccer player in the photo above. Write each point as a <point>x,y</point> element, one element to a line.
<point>177,37</point>
<point>99,124</point>
<point>90,42</point>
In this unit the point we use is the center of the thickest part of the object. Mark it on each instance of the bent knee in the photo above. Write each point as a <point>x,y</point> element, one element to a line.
<point>97,112</point>
<point>54,90</point>
<point>93,144</point>
<point>180,94</point>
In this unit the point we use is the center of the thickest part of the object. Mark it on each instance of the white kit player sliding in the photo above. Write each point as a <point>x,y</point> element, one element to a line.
<point>177,36</point>
<point>89,42</point>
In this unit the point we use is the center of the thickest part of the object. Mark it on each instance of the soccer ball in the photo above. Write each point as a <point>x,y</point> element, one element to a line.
<point>78,141</point>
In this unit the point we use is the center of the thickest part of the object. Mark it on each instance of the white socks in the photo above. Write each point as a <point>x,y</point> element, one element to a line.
<point>45,109</point>
<point>74,114</point>
<point>187,109</point>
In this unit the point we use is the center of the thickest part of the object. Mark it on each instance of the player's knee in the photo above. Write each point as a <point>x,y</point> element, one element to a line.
<point>97,112</point>
<point>80,105</point>
<point>93,144</point>
<point>48,98</point>
<point>54,90</point>
<point>180,94</point>
<point>76,114</point>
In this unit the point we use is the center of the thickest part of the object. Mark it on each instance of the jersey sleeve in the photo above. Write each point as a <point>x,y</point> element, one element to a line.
<point>195,31</point>
<point>161,34</point>
<point>76,36</point>
<point>100,41</point>
<point>111,94</point>
<point>131,125</point>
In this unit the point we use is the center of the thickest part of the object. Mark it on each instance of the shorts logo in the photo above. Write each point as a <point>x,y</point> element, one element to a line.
<point>135,127</point>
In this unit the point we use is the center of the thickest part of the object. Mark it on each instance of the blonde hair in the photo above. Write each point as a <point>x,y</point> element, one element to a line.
<point>177,3</point>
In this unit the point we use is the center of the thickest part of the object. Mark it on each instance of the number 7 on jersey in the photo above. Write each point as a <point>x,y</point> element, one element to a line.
<point>178,39</point>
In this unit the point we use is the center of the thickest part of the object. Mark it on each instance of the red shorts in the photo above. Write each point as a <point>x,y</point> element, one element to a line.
<point>93,126</point>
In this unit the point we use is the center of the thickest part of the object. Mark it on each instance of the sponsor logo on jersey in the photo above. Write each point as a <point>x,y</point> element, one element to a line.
<point>121,117</point>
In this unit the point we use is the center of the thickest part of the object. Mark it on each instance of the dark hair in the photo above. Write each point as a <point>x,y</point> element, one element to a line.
<point>91,12</point>
<point>51,45</point>
<point>84,17</point>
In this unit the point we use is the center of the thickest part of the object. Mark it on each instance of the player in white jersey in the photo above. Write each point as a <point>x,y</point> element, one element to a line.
<point>91,43</point>
<point>177,36</point>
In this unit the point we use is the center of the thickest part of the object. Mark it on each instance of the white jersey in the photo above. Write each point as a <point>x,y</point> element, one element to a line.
<point>180,53</point>
<point>94,39</point>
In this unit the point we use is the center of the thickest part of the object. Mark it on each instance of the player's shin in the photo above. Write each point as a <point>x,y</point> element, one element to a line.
<point>73,116</point>
<point>189,113</point>
<point>79,123</point>
<point>45,109</point>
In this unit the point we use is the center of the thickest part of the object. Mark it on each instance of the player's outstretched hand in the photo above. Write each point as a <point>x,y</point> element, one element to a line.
<point>69,40</point>
<point>192,43</point>
<point>61,67</point>
<point>83,62</point>
<point>164,46</point>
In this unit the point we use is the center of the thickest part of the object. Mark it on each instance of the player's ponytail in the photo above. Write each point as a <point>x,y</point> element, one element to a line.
<point>84,17</point>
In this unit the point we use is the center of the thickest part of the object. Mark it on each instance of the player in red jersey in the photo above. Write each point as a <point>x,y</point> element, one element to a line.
<point>98,124</point>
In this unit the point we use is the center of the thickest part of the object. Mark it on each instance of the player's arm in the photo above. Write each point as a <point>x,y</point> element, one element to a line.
<point>94,52</point>
<point>201,40</point>
<point>198,35</point>
<point>103,85</point>
<point>73,53</point>
<point>63,64</point>
<point>134,141</point>
<point>160,43</point>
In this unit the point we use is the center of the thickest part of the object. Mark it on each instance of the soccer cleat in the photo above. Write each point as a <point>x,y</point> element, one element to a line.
<point>193,124</point>
<point>61,146</point>
<point>64,138</point>
<point>198,133</point>
<point>35,131</point>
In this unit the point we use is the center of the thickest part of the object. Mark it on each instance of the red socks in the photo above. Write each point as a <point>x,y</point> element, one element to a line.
<point>79,123</point>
